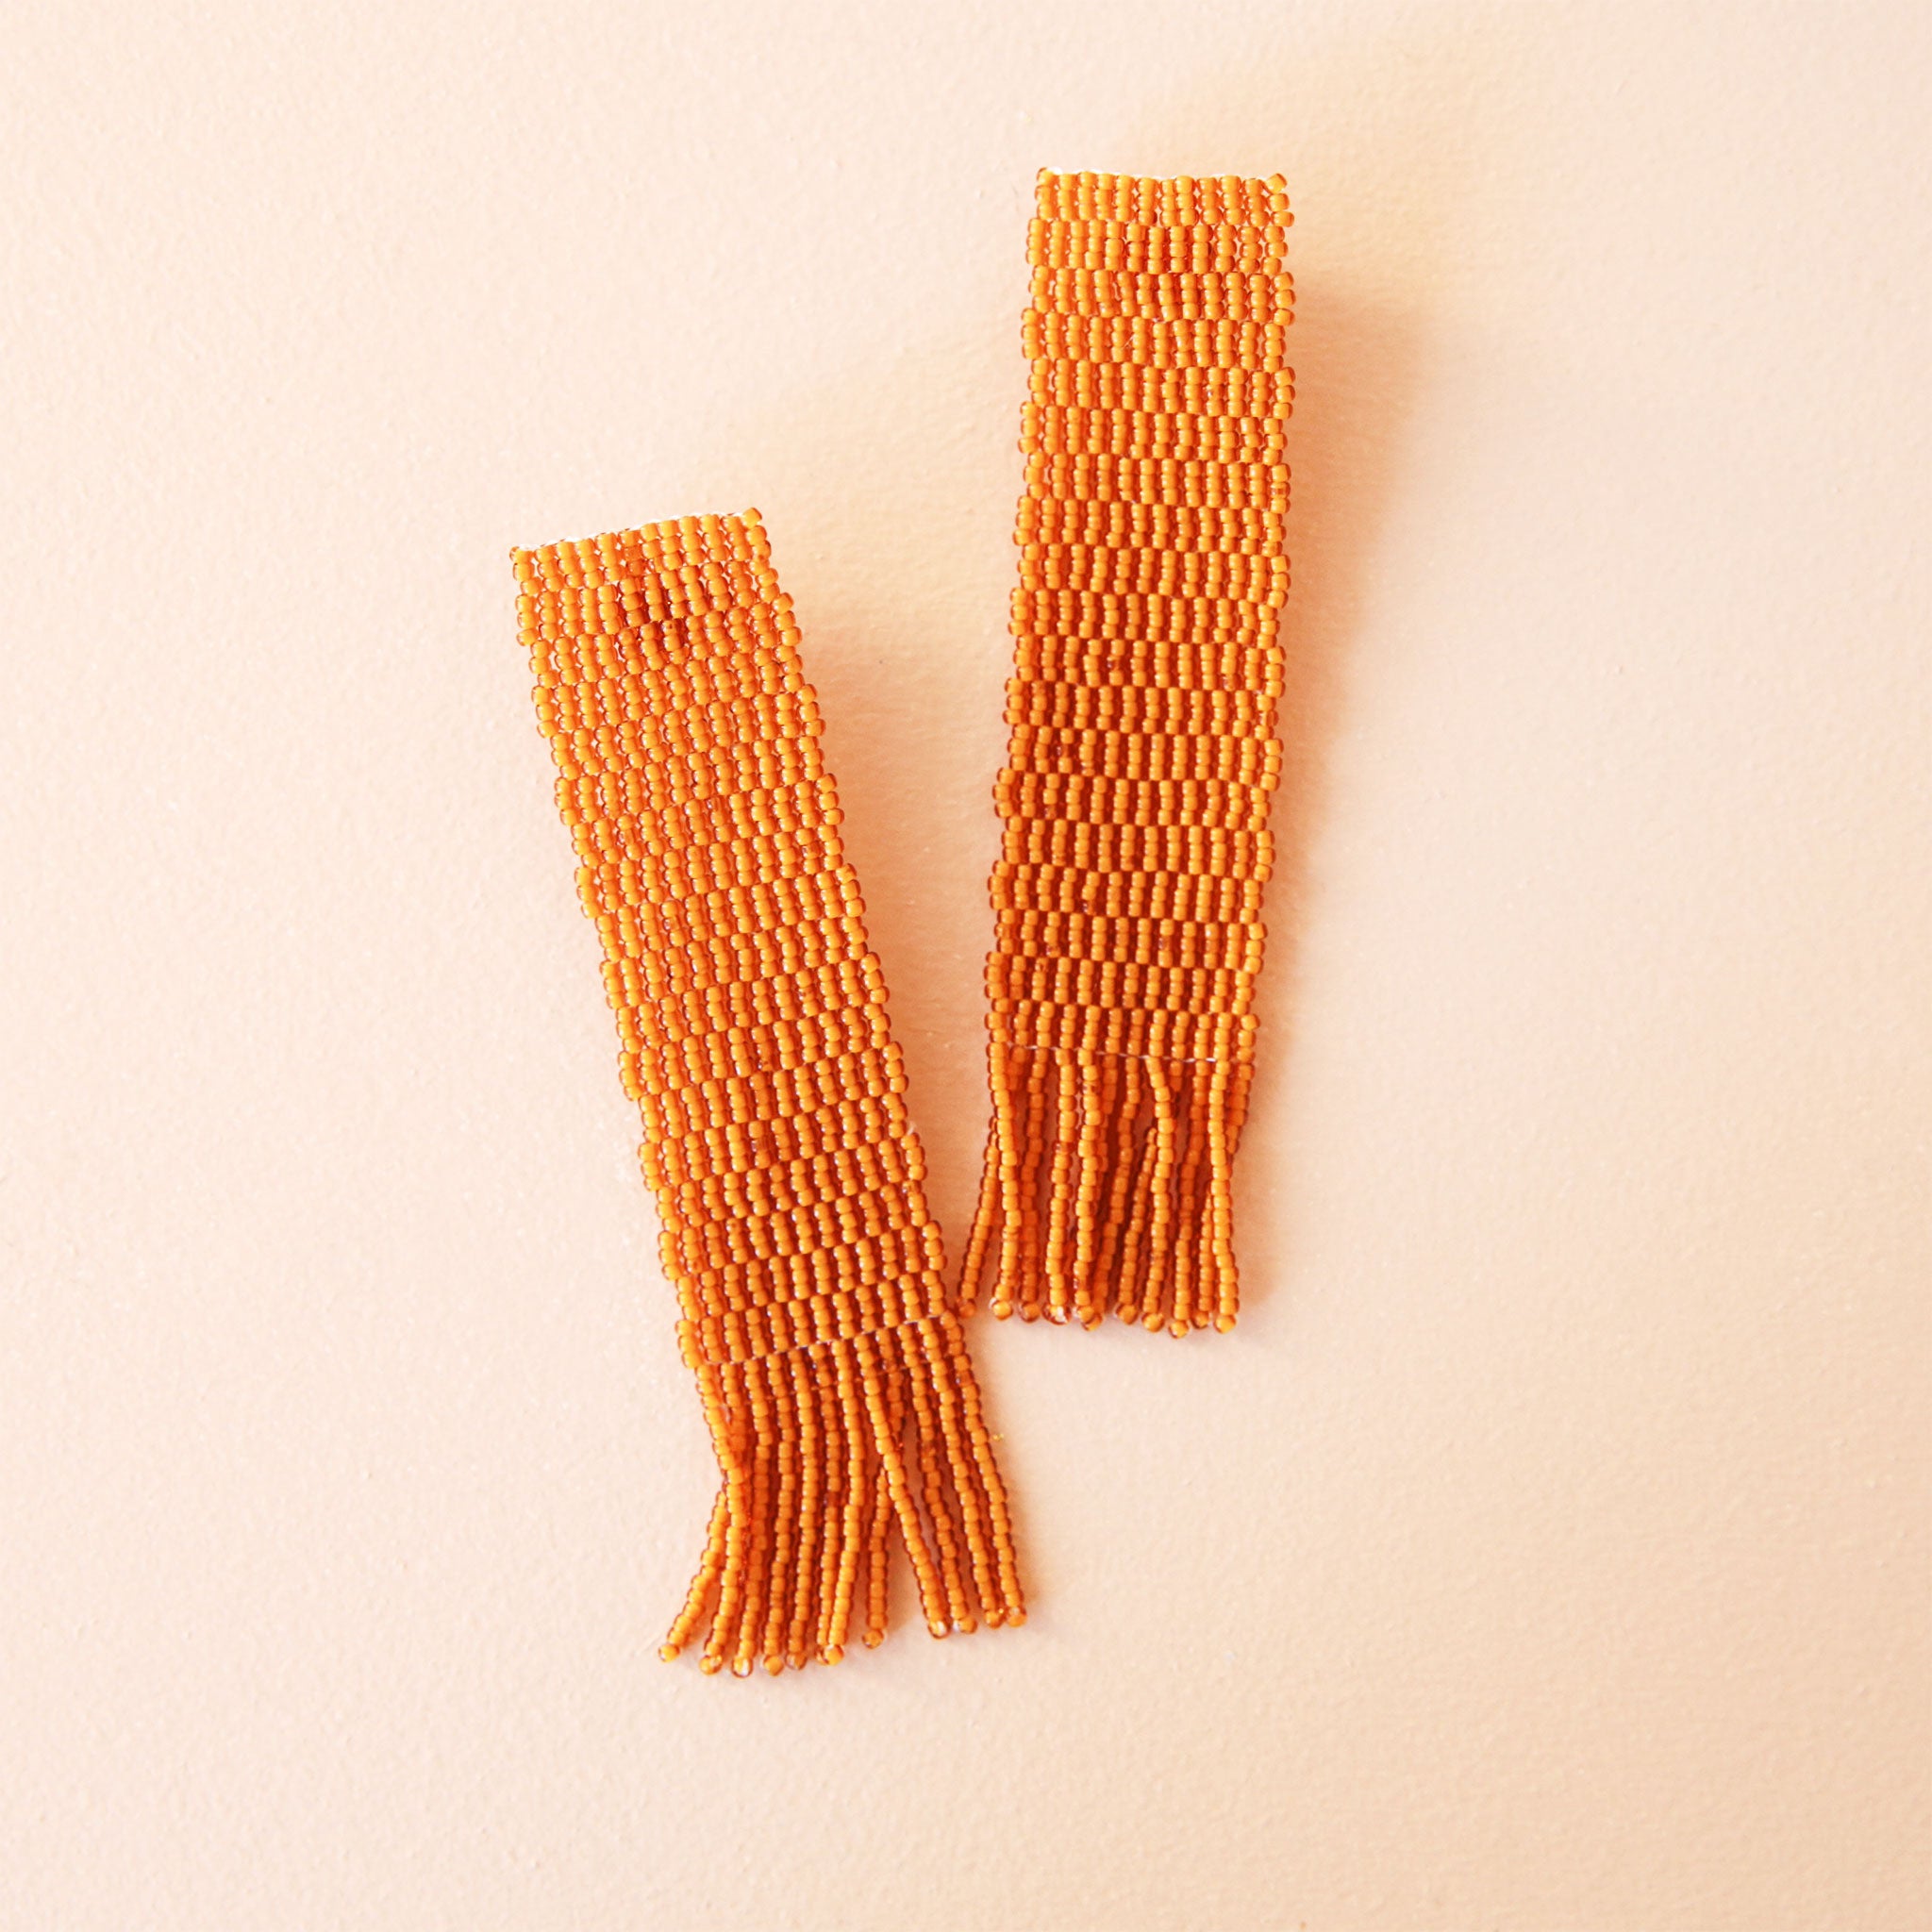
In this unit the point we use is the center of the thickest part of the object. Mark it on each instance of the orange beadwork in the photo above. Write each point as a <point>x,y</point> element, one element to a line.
<point>751,1015</point>
<point>1146,670</point>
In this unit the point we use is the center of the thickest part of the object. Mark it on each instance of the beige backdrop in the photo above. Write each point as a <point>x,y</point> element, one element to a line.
<point>1546,1553</point>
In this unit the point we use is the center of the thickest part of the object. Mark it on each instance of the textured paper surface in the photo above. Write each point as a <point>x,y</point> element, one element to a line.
<point>1547,1547</point>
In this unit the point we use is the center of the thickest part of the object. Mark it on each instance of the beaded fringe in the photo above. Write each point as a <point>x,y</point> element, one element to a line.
<point>1143,755</point>
<point>825,1451</point>
<point>753,1034</point>
<point>1106,1189</point>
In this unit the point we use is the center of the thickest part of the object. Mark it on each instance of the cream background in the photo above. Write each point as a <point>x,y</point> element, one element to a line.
<point>1547,1549</point>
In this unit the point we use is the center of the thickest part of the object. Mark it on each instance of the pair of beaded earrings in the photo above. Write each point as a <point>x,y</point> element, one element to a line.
<point>751,1011</point>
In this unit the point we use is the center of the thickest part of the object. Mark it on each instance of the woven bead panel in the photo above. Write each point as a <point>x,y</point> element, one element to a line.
<point>1143,755</point>
<point>751,1017</point>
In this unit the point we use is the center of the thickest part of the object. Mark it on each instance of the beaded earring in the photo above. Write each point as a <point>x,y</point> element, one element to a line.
<point>1143,755</point>
<point>752,1024</point>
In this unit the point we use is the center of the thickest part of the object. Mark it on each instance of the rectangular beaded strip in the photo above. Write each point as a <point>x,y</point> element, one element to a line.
<point>1143,755</point>
<point>752,1020</point>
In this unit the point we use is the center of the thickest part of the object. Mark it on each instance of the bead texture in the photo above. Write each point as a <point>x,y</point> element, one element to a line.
<point>1143,757</point>
<point>752,1028</point>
